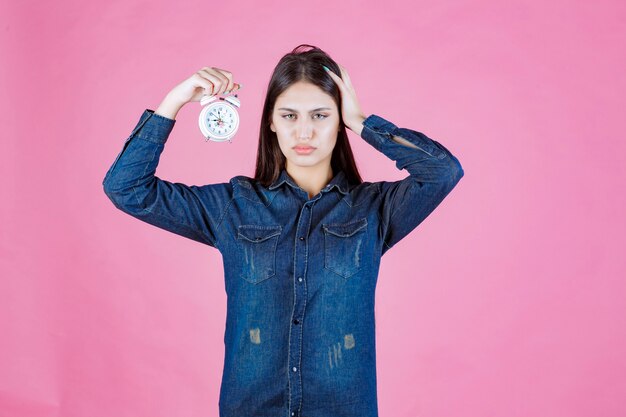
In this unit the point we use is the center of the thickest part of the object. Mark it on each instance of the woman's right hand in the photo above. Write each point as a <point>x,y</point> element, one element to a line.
<point>207,81</point>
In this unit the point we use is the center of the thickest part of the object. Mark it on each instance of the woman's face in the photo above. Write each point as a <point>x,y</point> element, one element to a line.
<point>305,116</point>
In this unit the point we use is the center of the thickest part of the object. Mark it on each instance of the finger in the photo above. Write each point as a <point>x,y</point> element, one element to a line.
<point>337,79</point>
<point>223,80</point>
<point>345,76</point>
<point>345,80</point>
<point>229,75</point>
<point>214,77</point>
<point>236,87</point>
<point>208,81</point>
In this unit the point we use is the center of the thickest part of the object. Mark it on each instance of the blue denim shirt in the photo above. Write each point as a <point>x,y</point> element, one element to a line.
<point>300,273</point>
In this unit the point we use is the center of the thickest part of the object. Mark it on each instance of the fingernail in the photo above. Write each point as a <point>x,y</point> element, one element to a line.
<point>326,68</point>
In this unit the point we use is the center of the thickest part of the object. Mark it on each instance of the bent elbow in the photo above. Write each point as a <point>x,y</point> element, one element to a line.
<point>122,199</point>
<point>454,174</point>
<point>115,197</point>
<point>456,170</point>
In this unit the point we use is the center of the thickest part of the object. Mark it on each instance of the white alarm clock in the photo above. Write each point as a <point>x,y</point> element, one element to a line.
<point>219,119</point>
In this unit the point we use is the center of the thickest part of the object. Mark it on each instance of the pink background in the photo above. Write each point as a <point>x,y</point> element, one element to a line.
<point>518,306</point>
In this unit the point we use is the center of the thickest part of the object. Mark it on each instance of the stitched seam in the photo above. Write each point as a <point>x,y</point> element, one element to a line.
<point>222,217</point>
<point>188,227</point>
<point>380,218</point>
<point>293,310</point>
<point>147,139</point>
<point>391,218</point>
<point>183,225</point>
<point>304,282</point>
<point>139,179</point>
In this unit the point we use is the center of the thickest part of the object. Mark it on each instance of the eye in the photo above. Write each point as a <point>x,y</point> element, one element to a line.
<point>286,116</point>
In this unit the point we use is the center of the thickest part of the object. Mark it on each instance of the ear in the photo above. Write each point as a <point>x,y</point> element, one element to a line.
<point>272,127</point>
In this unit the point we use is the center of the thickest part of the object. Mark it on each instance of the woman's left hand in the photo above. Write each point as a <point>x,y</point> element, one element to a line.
<point>350,109</point>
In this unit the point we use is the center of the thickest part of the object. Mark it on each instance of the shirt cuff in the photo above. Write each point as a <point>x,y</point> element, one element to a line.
<point>377,131</point>
<point>153,127</point>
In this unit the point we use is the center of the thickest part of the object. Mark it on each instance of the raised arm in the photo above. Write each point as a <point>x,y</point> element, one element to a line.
<point>130,183</point>
<point>433,173</point>
<point>433,170</point>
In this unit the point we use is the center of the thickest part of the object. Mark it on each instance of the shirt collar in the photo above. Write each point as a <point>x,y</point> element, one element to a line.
<point>339,180</point>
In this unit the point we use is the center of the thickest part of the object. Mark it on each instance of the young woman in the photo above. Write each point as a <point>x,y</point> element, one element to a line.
<point>301,242</point>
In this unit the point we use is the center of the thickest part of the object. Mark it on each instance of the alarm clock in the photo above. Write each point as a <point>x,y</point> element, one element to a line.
<point>219,118</point>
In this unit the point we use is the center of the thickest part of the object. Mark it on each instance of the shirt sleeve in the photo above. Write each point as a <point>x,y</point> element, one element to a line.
<point>433,173</point>
<point>194,212</point>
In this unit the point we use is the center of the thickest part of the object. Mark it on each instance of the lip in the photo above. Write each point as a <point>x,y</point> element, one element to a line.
<point>303,149</point>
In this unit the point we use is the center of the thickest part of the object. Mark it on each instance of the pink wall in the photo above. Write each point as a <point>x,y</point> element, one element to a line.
<point>519,310</point>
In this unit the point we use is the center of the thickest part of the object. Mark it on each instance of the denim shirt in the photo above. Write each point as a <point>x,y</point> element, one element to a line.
<point>300,273</point>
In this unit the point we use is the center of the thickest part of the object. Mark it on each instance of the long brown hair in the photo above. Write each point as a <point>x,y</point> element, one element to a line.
<point>301,64</point>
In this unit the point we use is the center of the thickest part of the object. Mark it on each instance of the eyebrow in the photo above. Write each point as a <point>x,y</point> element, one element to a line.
<point>314,110</point>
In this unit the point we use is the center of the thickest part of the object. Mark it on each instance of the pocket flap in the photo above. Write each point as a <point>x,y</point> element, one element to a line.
<point>345,229</point>
<point>257,233</point>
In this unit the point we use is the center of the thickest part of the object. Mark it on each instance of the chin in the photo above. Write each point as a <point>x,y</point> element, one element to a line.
<point>301,163</point>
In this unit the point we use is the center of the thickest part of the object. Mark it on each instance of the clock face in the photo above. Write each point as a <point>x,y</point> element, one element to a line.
<point>220,119</point>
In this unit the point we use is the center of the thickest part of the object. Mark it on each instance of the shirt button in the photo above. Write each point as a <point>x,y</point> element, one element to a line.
<point>296,321</point>
<point>293,414</point>
<point>294,369</point>
<point>301,238</point>
<point>300,279</point>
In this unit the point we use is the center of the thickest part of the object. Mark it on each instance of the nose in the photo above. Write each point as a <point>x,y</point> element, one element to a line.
<point>305,130</point>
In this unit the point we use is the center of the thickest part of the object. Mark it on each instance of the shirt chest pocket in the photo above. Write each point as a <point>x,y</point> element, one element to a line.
<point>257,245</point>
<point>343,246</point>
